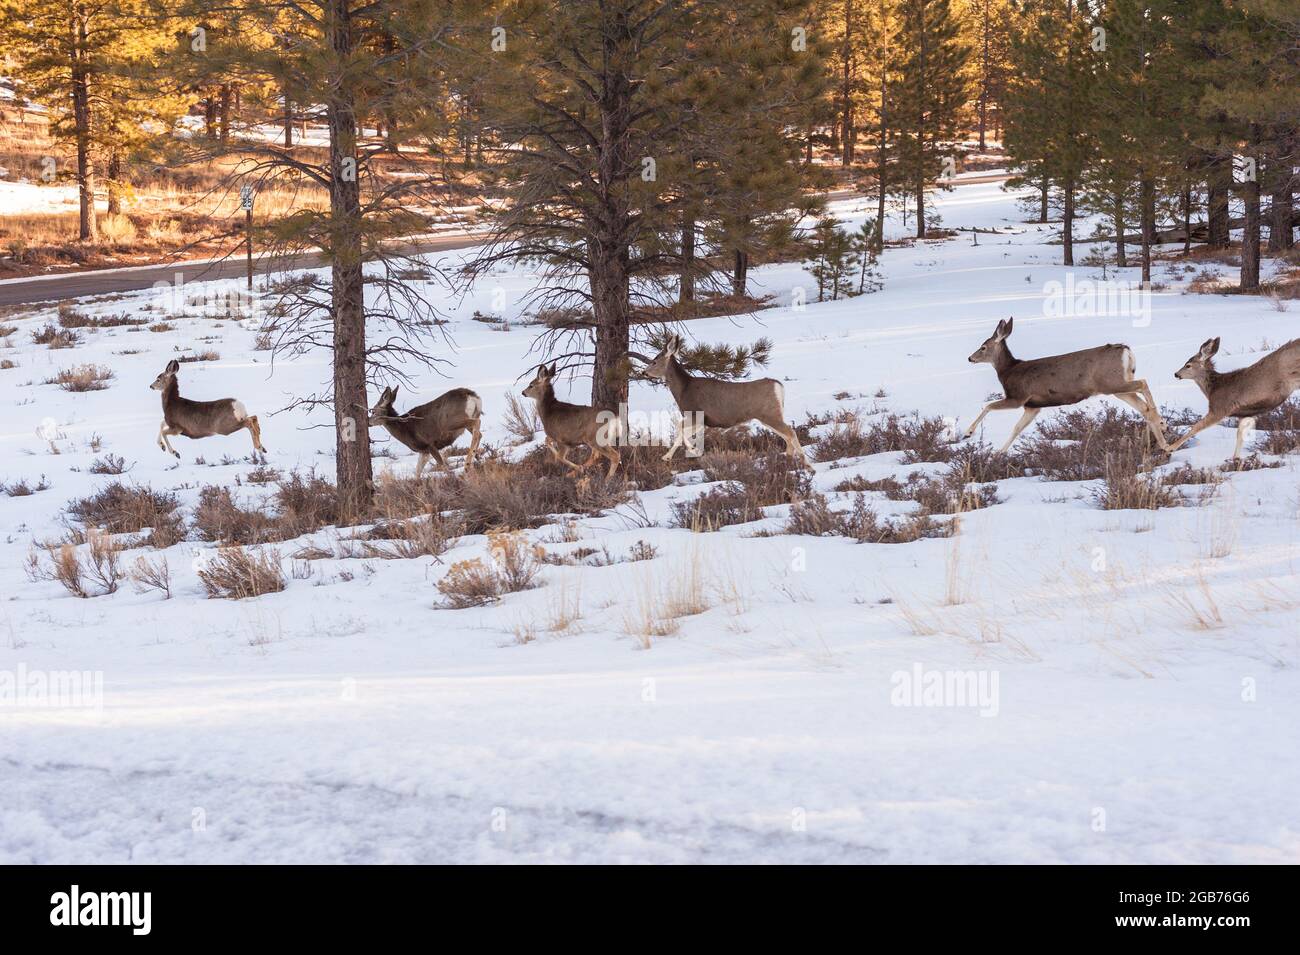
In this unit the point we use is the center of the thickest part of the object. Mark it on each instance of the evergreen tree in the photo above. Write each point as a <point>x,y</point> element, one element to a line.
<point>931,94</point>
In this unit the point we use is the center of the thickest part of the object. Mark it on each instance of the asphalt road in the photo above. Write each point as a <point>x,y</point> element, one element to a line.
<point>53,288</point>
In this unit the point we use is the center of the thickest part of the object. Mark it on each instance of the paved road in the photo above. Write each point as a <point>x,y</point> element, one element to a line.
<point>107,282</point>
<point>53,288</point>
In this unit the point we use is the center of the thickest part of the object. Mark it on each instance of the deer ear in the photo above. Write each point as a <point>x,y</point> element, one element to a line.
<point>1011,322</point>
<point>1210,348</point>
<point>173,366</point>
<point>392,392</point>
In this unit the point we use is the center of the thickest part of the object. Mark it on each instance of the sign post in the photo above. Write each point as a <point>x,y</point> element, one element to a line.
<point>246,200</point>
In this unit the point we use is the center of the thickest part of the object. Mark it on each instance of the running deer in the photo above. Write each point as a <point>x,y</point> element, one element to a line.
<point>428,428</point>
<point>199,419</point>
<point>567,425</point>
<point>711,403</point>
<point>1037,383</point>
<point>1244,393</point>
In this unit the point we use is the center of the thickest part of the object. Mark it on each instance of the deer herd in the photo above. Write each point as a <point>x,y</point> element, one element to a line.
<point>1030,384</point>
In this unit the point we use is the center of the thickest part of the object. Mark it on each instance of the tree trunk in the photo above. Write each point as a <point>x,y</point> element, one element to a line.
<point>1187,219</point>
<point>1218,185</point>
<point>1281,205</point>
<point>1067,222</point>
<point>1117,216</point>
<point>87,230</point>
<point>1250,232</point>
<point>686,288</point>
<point>288,118</point>
<point>114,171</point>
<point>609,300</point>
<point>984,77</point>
<point>847,90</point>
<point>223,113</point>
<point>1147,212</point>
<point>1042,201</point>
<point>740,274</point>
<point>352,438</point>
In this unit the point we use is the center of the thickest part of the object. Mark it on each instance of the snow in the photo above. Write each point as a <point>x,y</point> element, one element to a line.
<point>351,720</point>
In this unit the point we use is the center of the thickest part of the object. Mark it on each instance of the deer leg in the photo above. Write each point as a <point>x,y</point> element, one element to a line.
<point>167,445</point>
<point>255,430</point>
<point>162,434</point>
<point>596,450</point>
<point>1152,419</point>
<point>1137,395</point>
<point>1002,404</point>
<point>555,450</point>
<point>1206,422</point>
<point>420,462</point>
<point>792,446</point>
<point>1025,420</point>
<point>615,459</point>
<point>476,434</point>
<point>678,438</point>
<point>1243,426</point>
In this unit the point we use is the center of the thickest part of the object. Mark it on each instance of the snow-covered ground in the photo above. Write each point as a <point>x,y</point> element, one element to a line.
<point>350,719</point>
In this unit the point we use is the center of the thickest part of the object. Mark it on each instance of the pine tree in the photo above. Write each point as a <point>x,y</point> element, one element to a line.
<point>931,94</point>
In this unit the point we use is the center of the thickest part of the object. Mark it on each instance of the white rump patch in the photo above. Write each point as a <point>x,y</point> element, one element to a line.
<point>241,413</point>
<point>473,406</point>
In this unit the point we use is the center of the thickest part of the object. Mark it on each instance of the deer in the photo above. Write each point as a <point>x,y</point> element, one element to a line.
<point>567,425</point>
<point>711,403</point>
<point>1244,393</point>
<point>429,428</point>
<point>199,419</point>
<point>1053,381</point>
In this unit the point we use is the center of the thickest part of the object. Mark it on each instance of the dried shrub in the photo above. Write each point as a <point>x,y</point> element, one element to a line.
<point>205,355</point>
<point>1125,487</point>
<point>124,508</point>
<point>108,464</point>
<point>1076,445</point>
<point>236,573</point>
<point>919,439</point>
<point>96,575</point>
<point>816,518</point>
<point>520,419</point>
<point>749,484</point>
<point>87,377</point>
<point>55,337</point>
<point>300,505</point>
<point>152,575</point>
<point>21,488</point>
<point>513,566</point>
<point>70,317</point>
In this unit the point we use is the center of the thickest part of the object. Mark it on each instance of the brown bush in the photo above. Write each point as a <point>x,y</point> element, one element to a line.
<point>301,505</point>
<point>87,377</point>
<point>1075,445</point>
<point>123,508</point>
<point>749,484</point>
<point>513,566</point>
<point>21,488</point>
<point>108,464</point>
<point>97,574</point>
<point>816,518</point>
<point>55,337</point>
<point>920,439</point>
<point>236,573</point>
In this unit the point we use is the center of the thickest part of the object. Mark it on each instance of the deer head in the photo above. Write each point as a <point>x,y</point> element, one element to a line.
<point>383,407</point>
<point>1199,366</point>
<point>167,377</point>
<point>658,366</point>
<point>994,344</point>
<point>541,383</point>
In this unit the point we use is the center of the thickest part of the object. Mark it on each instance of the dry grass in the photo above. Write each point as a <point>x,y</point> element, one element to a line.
<point>236,573</point>
<point>520,418</point>
<point>664,596</point>
<point>815,517</point>
<point>513,566</point>
<point>301,505</point>
<point>96,572</point>
<point>21,488</point>
<point>152,575</point>
<point>123,508</point>
<point>920,439</point>
<point>55,337</point>
<point>88,377</point>
<point>750,483</point>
